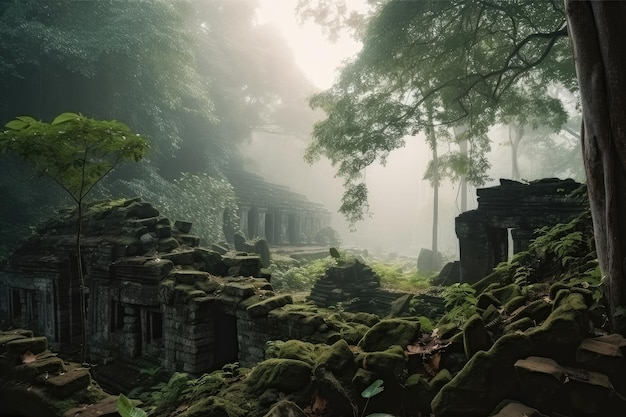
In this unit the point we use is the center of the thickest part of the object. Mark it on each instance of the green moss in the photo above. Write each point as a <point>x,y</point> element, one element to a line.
<point>389,365</point>
<point>389,332</point>
<point>286,375</point>
<point>339,359</point>
<point>519,325</point>
<point>514,303</point>
<point>507,293</point>
<point>302,351</point>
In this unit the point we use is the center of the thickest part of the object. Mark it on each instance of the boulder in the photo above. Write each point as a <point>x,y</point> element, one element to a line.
<point>286,375</point>
<point>389,332</point>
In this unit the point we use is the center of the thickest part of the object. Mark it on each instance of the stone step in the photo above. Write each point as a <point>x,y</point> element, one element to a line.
<point>66,384</point>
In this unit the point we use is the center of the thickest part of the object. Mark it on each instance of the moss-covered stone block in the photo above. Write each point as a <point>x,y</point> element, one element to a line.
<point>506,293</point>
<point>486,379</point>
<point>389,332</point>
<point>302,351</point>
<point>68,383</point>
<point>418,395</point>
<point>486,299</point>
<point>34,345</point>
<point>286,375</point>
<point>491,313</point>
<point>261,309</point>
<point>338,394</point>
<point>389,365</point>
<point>518,326</point>
<point>489,377</point>
<point>537,311</point>
<point>339,359</point>
<point>514,303</point>
<point>367,319</point>
<point>475,336</point>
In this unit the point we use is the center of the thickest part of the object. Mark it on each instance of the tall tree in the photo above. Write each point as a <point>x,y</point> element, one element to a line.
<point>597,30</point>
<point>520,38</point>
<point>75,152</point>
<point>463,57</point>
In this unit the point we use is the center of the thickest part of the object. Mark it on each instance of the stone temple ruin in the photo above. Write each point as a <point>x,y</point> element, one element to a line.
<point>278,215</point>
<point>151,290</point>
<point>516,209</point>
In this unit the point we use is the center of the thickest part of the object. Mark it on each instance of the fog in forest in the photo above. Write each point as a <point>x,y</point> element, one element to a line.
<point>400,200</point>
<point>259,65</point>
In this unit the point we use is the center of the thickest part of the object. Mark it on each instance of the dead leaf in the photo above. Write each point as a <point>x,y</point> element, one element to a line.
<point>29,357</point>
<point>319,404</point>
<point>432,364</point>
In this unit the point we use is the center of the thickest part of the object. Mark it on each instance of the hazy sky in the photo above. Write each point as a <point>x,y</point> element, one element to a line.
<point>317,57</point>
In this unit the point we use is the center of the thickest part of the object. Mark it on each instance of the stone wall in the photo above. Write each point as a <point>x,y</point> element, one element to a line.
<point>513,207</point>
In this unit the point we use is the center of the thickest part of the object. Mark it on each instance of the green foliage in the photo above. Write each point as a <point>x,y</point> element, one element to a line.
<point>288,278</point>
<point>126,408</point>
<point>394,276</point>
<point>166,395</point>
<point>460,302</point>
<point>204,200</point>
<point>372,390</point>
<point>74,151</point>
<point>485,61</point>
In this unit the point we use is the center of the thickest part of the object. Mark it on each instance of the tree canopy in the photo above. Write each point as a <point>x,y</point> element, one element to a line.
<point>439,64</point>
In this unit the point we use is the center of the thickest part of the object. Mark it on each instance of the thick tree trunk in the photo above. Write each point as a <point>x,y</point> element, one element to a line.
<point>598,32</point>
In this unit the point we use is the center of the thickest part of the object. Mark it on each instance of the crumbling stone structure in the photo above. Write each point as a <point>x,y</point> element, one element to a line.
<point>512,207</point>
<point>150,290</point>
<point>275,213</point>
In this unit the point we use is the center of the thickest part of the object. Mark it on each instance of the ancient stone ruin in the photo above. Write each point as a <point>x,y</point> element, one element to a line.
<point>513,208</point>
<point>277,214</point>
<point>151,290</point>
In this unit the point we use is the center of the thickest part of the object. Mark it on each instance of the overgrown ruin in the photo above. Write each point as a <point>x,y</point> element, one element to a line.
<point>511,210</point>
<point>151,290</point>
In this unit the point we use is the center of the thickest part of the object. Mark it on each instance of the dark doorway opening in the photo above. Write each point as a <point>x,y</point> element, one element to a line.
<point>226,344</point>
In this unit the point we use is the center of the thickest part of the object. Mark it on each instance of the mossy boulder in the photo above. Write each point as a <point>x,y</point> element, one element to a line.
<point>388,365</point>
<point>302,351</point>
<point>339,395</point>
<point>475,336</point>
<point>489,377</point>
<point>418,395</point>
<point>338,359</point>
<point>387,333</point>
<point>286,375</point>
<point>261,309</point>
<point>506,293</point>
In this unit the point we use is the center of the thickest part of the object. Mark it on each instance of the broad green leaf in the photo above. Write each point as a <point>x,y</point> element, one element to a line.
<point>65,117</point>
<point>374,389</point>
<point>126,408</point>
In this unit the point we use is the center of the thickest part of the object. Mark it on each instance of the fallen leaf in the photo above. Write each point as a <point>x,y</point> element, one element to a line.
<point>29,357</point>
<point>319,404</point>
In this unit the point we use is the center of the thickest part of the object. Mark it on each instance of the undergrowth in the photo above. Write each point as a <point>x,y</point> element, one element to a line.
<point>396,276</point>
<point>287,277</point>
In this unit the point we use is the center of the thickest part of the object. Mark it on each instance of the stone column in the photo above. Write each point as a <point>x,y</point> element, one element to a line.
<point>474,247</point>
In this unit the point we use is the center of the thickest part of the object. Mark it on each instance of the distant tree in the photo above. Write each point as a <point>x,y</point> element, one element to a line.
<point>464,59</point>
<point>76,152</point>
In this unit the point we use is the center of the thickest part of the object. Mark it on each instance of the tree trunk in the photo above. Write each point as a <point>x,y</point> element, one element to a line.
<point>81,280</point>
<point>597,32</point>
<point>515,137</point>
<point>434,262</point>
<point>458,131</point>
